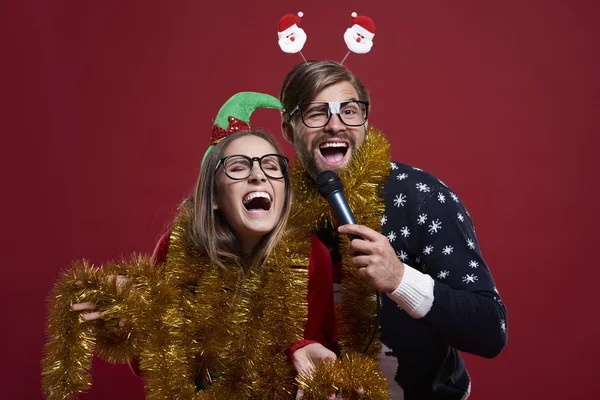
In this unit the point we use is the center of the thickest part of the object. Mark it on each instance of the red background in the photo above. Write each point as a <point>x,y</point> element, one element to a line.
<point>107,108</point>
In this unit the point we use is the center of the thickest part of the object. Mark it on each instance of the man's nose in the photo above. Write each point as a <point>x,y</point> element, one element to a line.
<point>335,124</point>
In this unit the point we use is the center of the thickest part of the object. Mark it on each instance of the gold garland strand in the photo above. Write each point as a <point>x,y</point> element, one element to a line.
<point>71,342</point>
<point>363,188</point>
<point>352,375</point>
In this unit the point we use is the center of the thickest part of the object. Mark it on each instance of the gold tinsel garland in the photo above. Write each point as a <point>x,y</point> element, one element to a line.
<point>193,316</point>
<point>363,188</point>
<point>232,327</point>
<point>71,342</point>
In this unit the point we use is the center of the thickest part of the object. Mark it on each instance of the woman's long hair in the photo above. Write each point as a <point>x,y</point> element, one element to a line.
<point>208,229</point>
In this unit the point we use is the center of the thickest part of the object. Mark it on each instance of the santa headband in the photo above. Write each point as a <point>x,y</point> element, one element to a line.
<point>358,37</point>
<point>235,114</point>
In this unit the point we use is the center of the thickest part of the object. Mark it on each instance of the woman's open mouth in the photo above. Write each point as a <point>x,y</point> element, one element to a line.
<point>257,202</point>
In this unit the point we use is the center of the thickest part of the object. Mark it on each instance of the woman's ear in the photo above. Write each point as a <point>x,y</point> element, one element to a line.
<point>215,205</point>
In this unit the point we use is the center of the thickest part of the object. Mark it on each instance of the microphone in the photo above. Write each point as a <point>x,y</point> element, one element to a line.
<point>330,186</point>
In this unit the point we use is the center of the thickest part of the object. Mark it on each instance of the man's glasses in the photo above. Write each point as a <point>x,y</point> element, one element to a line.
<point>317,114</point>
<point>238,167</point>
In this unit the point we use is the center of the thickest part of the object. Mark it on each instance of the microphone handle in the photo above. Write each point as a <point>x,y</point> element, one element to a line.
<point>342,211</point>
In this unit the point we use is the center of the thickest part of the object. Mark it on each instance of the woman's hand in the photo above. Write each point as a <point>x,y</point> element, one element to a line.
<point>91,307</point>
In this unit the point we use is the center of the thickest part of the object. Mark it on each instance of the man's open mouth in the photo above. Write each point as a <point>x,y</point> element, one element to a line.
<point>333,152</point>
<point>257,201</point>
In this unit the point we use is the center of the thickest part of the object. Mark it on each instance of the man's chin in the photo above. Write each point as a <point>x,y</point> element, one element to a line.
<point>322,166</point>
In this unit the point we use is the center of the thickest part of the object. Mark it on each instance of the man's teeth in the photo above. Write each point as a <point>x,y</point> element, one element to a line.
<point>251,196</point>
<point>333,144</point>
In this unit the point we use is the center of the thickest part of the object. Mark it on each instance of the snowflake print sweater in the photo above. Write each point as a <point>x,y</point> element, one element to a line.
<point>447,300</point>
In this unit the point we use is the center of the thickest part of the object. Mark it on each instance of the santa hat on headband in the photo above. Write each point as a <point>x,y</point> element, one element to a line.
<point>288,24</point>
<point>235,114</point>
<point>363,25</point>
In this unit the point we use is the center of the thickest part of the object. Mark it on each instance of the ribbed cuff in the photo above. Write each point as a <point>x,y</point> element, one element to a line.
<point>414,293</point>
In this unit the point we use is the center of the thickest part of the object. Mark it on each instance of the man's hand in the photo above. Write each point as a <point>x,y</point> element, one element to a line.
<point>305,359</point>
<point>374,258</point>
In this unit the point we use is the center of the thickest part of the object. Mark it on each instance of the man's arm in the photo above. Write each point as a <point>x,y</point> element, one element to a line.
<point>455,292</point>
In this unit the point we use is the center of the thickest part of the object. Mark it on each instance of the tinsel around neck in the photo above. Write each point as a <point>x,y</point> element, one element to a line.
<point>363,182</point>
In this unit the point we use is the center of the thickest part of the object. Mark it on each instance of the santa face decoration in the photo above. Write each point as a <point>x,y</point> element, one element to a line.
<point>291,37</point>
<point>359,37</point>
<point>292,40</point>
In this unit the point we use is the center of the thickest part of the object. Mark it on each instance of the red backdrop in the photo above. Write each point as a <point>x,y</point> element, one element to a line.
<point>107,108</point>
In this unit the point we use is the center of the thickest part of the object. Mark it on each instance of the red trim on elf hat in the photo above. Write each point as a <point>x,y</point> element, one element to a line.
<point>235,125</point>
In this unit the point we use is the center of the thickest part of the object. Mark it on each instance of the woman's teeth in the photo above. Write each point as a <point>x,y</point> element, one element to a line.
<point>251,196</point>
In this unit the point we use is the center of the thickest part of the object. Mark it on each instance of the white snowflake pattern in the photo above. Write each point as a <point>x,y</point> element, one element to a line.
<point>435,226</point>
<point>402,255</point>
<point>418,260</point>
<point>470,278</point>
<point>423,187</point>
<point>393,166</point>
<point>471,244</point>
<point>383,220</point>
<point>503,325</point>
<point>447,250</point>
<point>460,217</point>
<point>428,250</point>
<point>443,274</point>
<point>473,264</point>
<point>422,219</point>
<point>391,236</point>
<point>405,232</point>
<point>400,200</point>
<point>402,176</point>
<point>441,198</point>
<point>454,197</point>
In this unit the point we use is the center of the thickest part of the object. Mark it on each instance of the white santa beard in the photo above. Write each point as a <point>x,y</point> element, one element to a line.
<point>288,46</point>
<point>362,47</point>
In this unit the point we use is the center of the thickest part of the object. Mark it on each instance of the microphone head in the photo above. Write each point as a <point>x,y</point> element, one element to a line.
<point>328,182</point>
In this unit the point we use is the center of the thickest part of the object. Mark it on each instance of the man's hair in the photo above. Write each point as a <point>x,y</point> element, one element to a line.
<point>305,80</point>
<point>208,229</point>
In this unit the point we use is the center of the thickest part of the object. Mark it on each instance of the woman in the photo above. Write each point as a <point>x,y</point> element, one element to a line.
<point>224,298</point>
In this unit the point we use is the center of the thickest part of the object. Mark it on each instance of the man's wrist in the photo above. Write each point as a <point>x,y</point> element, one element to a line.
<point>414,293</point>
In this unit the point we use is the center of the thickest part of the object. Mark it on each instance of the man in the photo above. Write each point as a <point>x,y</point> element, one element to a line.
<point>440,297</point>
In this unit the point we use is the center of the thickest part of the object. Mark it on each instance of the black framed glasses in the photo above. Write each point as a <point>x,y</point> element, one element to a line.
<point>238,166</point>
<point>317,114</point>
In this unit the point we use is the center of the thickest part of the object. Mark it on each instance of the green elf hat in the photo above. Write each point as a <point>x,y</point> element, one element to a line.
<point>235,114</point>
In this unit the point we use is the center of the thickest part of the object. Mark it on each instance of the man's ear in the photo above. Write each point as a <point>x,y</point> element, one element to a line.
<point>288,132</point>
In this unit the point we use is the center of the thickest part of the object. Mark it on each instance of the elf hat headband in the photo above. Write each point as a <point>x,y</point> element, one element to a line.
<point>235,114</point>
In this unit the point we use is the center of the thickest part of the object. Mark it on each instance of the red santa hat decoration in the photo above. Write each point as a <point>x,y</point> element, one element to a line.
<point>291,37</point>
<point>359,37</point>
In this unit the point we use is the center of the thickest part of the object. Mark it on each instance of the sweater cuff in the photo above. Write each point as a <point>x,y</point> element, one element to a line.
<point>414,293</point>
<point>298,345</point>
